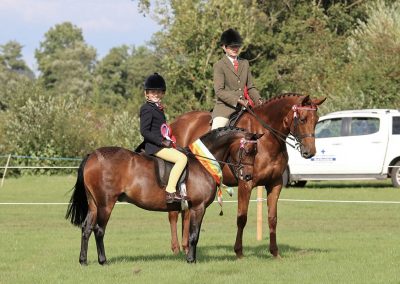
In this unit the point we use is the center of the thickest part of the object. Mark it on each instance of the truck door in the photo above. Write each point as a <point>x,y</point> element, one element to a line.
<point>328,158</point>
<point>364,147</point>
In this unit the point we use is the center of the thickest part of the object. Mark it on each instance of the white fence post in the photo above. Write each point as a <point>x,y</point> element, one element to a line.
<point>5,170</point>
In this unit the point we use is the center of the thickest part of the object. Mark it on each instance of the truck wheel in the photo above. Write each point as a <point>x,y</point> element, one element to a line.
<point>396,175</point>
<point>300,183</point>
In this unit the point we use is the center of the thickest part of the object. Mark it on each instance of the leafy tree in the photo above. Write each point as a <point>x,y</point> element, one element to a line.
<point>13,72</point>
<point>65,61</point>
<point>11,58</point>
<point>121,73</point>
<point>375,58</point>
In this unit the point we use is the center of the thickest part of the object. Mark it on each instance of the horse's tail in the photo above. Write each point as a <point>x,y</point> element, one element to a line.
<point>78,206</point>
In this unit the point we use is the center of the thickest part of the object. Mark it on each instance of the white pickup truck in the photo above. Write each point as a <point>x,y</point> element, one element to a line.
<point>351,145</point>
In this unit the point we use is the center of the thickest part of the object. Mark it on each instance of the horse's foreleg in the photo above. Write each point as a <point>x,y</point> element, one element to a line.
<point>196,217</point>
<point>185,230</point>
<point>87,228</point>
<point>272,201</point>
<point>243,206</point>
<point>103,215</point>
<point>173,219</point>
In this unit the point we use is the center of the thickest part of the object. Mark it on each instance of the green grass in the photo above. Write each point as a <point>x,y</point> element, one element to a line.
<point>319,242</point>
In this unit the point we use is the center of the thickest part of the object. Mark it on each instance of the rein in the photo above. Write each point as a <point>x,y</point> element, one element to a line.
<point>275,132</point>
<point>238,165</point>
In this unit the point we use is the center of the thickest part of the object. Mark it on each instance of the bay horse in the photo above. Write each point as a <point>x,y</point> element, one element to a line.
<point>277,117</point>
<point>112,173</point>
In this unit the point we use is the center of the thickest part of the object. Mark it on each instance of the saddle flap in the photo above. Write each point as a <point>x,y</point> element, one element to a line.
<point>233,118</point>
<point>162,170</point>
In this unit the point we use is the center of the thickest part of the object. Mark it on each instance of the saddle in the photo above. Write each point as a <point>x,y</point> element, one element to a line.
<point>162,170</point>
<point>234,117</point>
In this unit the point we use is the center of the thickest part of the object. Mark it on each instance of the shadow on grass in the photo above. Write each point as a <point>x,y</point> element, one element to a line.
<point>220,253</point>
<point>343,184</point>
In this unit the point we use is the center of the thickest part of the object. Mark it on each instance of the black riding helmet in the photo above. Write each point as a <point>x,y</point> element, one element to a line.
<point>231,37</point>
<point>155,82</point>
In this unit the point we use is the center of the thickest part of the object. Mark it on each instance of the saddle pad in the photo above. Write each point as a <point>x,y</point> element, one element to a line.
<point>207,159</point>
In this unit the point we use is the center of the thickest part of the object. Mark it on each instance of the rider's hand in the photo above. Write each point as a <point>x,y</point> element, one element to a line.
<point>166,143</point>
<point>243,102</point>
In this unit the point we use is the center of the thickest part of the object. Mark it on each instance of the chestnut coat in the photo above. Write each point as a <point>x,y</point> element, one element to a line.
<point>229,85</point>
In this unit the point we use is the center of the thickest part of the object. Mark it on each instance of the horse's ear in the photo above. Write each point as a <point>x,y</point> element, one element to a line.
<point>258,136</point>
<point>317,102</point>
<point>305,100</point>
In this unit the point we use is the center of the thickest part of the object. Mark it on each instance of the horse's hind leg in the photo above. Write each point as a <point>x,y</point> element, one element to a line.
<point>103,215</point>
<point>196,217</point>
<point>173,219</point>
<point>87,228</point>
<point>243,206</point>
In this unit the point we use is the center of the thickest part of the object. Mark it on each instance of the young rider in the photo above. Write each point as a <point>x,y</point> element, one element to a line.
<point>152,117</point>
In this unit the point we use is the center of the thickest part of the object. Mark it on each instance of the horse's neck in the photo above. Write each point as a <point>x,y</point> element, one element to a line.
<point>273,114</point>
<point>219,147</point>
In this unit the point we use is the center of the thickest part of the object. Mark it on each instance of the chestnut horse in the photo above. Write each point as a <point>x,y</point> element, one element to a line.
<point>112,173</point>
<point>278,117</point>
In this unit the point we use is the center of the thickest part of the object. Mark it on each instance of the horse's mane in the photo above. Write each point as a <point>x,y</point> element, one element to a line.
<point>214,134</point>
<point>281,96</point>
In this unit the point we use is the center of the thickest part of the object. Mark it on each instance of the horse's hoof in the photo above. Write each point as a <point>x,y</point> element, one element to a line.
<point>103,262</point>
<point>83,262</point>
<point>239,255</point>
<point>191,260</point>
<point>176,251</point>
<point>277,257</point>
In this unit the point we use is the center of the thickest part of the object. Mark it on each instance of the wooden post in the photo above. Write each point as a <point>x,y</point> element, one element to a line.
<point>260,190</point>
<point>5,170</point>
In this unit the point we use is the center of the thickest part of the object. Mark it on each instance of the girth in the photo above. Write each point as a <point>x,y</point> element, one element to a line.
<point>162,170</point>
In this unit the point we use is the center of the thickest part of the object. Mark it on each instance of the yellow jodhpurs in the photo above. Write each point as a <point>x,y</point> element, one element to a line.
<point>218,122</point>
<point>180,161</point>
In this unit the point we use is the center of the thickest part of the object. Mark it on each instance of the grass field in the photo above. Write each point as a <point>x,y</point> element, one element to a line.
<point>320,242</point>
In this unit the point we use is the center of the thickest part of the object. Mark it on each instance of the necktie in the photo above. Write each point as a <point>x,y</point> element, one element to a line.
<point>236,65</point>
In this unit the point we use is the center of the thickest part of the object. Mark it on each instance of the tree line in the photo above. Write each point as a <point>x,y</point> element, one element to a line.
<point>345,50</point>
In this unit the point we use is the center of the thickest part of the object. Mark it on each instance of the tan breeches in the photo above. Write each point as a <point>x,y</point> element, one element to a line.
<point>218,122</point>
<point>179,159</point>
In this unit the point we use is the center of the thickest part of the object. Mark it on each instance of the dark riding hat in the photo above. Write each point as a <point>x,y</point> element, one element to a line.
<point>231,37</point>
<point>155,82</point>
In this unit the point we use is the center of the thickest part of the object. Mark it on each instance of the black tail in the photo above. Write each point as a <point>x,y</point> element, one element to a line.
<point>78,206</point>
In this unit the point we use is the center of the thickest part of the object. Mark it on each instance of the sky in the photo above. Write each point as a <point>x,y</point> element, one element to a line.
<point>104,23</point>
